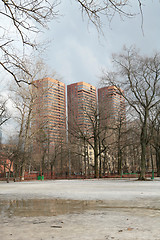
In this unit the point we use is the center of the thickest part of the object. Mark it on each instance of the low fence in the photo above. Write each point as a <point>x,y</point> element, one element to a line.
<point>129,175</point>
<point>136,175</point>
<point>47,176</point>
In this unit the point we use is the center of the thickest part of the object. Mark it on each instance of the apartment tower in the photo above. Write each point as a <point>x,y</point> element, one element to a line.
<point>112,115</point>
<point>81,104</point>
<point>111,104</point>
<point>49,112</point>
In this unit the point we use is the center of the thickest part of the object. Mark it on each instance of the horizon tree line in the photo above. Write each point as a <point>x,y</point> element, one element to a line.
<point>130,144</point>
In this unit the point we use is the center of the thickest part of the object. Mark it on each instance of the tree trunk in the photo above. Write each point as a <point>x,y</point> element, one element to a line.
<point>51,171</point>
<point>23,172</point>
<point>143,161</point>
<point>158,161</point>
<point>43,165</point>
<point>96,148</point>
<point>85,164</point>
<point>96,175</point>
<point>15,172</point>
<point>8,176</point>
<point>143,147</point>
<point>100,166</point>
<point>119,161</point>
<point>104,163</point>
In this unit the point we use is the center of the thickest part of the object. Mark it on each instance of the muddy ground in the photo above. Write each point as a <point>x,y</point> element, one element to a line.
<point>80,209</point>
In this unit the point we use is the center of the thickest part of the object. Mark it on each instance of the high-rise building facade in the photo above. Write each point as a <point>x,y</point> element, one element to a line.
<point>112,115</point>
<point>111,104</point>
<point>49,111</point>
<point>81,98</point>
<point>0,137</point>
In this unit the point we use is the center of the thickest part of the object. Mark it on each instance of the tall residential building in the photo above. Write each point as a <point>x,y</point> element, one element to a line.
<point>81,98</point>
<point>112,114</point>
<point>0,137</point>
<point>49,109</point>
<point>111,104</point>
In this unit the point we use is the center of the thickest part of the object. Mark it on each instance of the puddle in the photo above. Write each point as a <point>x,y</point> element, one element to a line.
<point>45,207</point>
<point>54,207</point>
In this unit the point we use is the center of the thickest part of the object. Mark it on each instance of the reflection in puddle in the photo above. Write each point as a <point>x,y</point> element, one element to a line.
<point>45,207</point>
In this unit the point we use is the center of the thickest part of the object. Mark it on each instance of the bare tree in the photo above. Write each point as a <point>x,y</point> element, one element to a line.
<point>54,153</point>
<point>120,142</point>
<point>24,100</point>
<point>80,161</point>
<point>23,20</point>
<point>9,157</point>
<point>139,76</point>
<point>58,158</point>
<point>133,151</point>
<point>96,9</point>
<point>154,129</point>
<point>92,134</point>
<point>4,113</point>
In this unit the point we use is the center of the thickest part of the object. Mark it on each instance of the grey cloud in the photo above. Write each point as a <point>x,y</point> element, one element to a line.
<point>77,53</point>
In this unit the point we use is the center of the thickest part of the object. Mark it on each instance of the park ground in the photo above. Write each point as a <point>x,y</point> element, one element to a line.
<point>113,209</point>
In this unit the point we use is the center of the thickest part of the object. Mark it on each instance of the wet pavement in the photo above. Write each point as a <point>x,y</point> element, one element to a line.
<point>83,210</point>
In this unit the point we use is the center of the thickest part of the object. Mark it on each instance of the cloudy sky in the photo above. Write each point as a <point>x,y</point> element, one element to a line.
<point>78,53</point>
